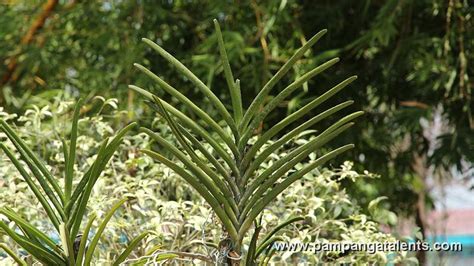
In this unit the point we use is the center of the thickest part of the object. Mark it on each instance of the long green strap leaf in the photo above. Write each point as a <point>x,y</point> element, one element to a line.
<point>202,165</point>
<point>67,243</point>
<point>272,194</point>
<point>29,227</point>
<point>233,88</point>
<point>225,156</point>
<point>185,101</point>
<point>257,102</point>
<point>197,82</point>
<point>286,163</point>
<point>204,180</point>
<point>261,157</point>
<point>82,245</point>
<point>39,252</point>
<point>238,102</point>
<point>264,245</point>
<point>268,257</point>
<point>36,173</point>
<point>27,234</point>
<point>65,149</point>
<point>80,204</point>
<point>100,230</point>
<point>324,135</point>
<point>85,178</point>
<point>195,127</point>
<point>49,210</point>
<point>282,166</point>
<point>72,153</point>
<point>268,237</point>
<point>333,127</point>
<point>250,260</point>
<point>292,118</point>
<point>35,159</point>
<point>131,246</point>
<point>219,167</point>
<point>215,205</point>
<point>97,169</point>
<point>258,118</point>
<point>13,255</point>
<point>200,175</point>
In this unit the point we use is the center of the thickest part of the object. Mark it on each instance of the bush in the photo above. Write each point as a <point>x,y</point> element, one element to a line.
<point>183,226</point>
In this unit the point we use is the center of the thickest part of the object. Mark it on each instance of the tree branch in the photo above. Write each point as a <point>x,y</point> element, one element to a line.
<point>28,37</point>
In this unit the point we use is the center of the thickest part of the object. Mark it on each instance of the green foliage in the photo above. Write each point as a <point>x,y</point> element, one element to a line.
<point>236,191</point>
<point>179,219</point>
<point>331,215</point>
<point>412,56</point>
<point>46,122</point>
<point>65,208</point>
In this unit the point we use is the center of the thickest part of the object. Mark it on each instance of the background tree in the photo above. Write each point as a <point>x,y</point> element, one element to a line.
<point>412,58</point>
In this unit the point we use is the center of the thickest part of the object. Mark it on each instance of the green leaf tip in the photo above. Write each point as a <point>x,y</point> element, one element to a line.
<point>216,25</point>
<point>358,113</point>
<point>149,42</point>
<point>351,79</point>
<point>133,125</point>
<point>141,91</point>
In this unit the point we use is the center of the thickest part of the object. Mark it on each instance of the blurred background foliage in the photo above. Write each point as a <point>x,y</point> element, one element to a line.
<point>412,58</point>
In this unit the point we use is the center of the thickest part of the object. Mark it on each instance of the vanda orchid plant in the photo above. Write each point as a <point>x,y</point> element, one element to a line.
<point>65,206</point>
<point>229,176</point>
